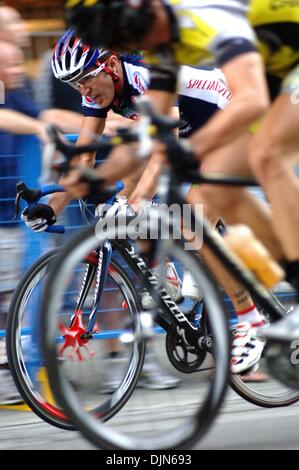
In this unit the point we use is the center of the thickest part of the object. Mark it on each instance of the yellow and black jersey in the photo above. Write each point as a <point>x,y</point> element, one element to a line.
<point>204,32</point>
<point>215,31</point>
<point>276,24</point>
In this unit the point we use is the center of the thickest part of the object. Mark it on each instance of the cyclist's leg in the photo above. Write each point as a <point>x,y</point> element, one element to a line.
<point>237,205</point>
<point>130,182</point>
<point>154,376</point>
<point>274,152</point>
<point>240,297</point>
<point>246,350</point>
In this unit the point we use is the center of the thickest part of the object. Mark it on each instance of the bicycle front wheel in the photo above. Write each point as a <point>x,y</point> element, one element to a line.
<point>168,417</point>
<point>24,350</point>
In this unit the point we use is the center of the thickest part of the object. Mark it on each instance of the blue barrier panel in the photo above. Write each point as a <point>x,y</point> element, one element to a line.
<point>35,244</point>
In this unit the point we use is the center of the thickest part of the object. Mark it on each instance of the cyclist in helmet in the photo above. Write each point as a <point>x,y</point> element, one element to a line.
<point>108,84</point>
<point>257,45</point>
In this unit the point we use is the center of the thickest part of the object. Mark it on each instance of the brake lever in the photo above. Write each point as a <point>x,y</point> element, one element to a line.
<point>32,196</point>
<point>23,192</point>
<point>17,206</point>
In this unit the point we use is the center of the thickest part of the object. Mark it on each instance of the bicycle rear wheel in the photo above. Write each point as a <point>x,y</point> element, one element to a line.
<point>24,349</point>
<point>24,358</point>
<point>268,392</point>
<point>161,419</point>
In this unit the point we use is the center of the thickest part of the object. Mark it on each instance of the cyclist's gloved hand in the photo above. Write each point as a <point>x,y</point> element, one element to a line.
<point>38,217</point>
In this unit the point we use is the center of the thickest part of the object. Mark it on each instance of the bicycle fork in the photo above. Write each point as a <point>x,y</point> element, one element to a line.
<point>76,336</point>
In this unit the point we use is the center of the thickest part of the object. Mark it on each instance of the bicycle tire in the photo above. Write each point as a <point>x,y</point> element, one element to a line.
<point>287,398</point>
<point>41,408</point>
<point>50,413</point>
<point>97,432</point>
<point>268,395</point>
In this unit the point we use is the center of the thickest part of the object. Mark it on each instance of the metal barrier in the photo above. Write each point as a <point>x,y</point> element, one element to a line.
<point>24,165</point>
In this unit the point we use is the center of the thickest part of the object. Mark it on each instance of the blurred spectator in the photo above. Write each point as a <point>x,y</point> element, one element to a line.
<point>12,27</point>
<point>18,100</point>
<point>13,30</point>
<point>19,115</point>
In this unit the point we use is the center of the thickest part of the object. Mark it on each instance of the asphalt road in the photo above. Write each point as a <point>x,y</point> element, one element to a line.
<point>240,425</point>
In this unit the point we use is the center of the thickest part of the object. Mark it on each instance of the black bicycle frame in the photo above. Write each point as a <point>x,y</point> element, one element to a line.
<point>229,260</point>
<point>168,315</point>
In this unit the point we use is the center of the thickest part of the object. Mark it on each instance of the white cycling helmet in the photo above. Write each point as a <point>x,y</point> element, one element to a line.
<point>71,57</point>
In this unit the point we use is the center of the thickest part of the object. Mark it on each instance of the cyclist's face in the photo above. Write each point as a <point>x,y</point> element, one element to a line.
<point>12,71</point>
<point>15,29</point>
<point>99,88</point>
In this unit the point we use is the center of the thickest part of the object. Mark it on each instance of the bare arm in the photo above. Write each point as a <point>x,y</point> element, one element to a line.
<point>68,121</point>
<point>19,123</point>
<point>123,159</point>
<point>114,121</point>
<point>89,127</point>
<point>245,77</point>
<point>147,185</point>
<point>162,101</point>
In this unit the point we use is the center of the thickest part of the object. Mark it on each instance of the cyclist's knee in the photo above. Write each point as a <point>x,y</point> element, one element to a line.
<point>220,199</point>
<point>265,161</point>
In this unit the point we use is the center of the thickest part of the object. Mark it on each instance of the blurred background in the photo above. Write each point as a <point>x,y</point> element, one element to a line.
<point>44,21</point>
<point>29,30</point>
